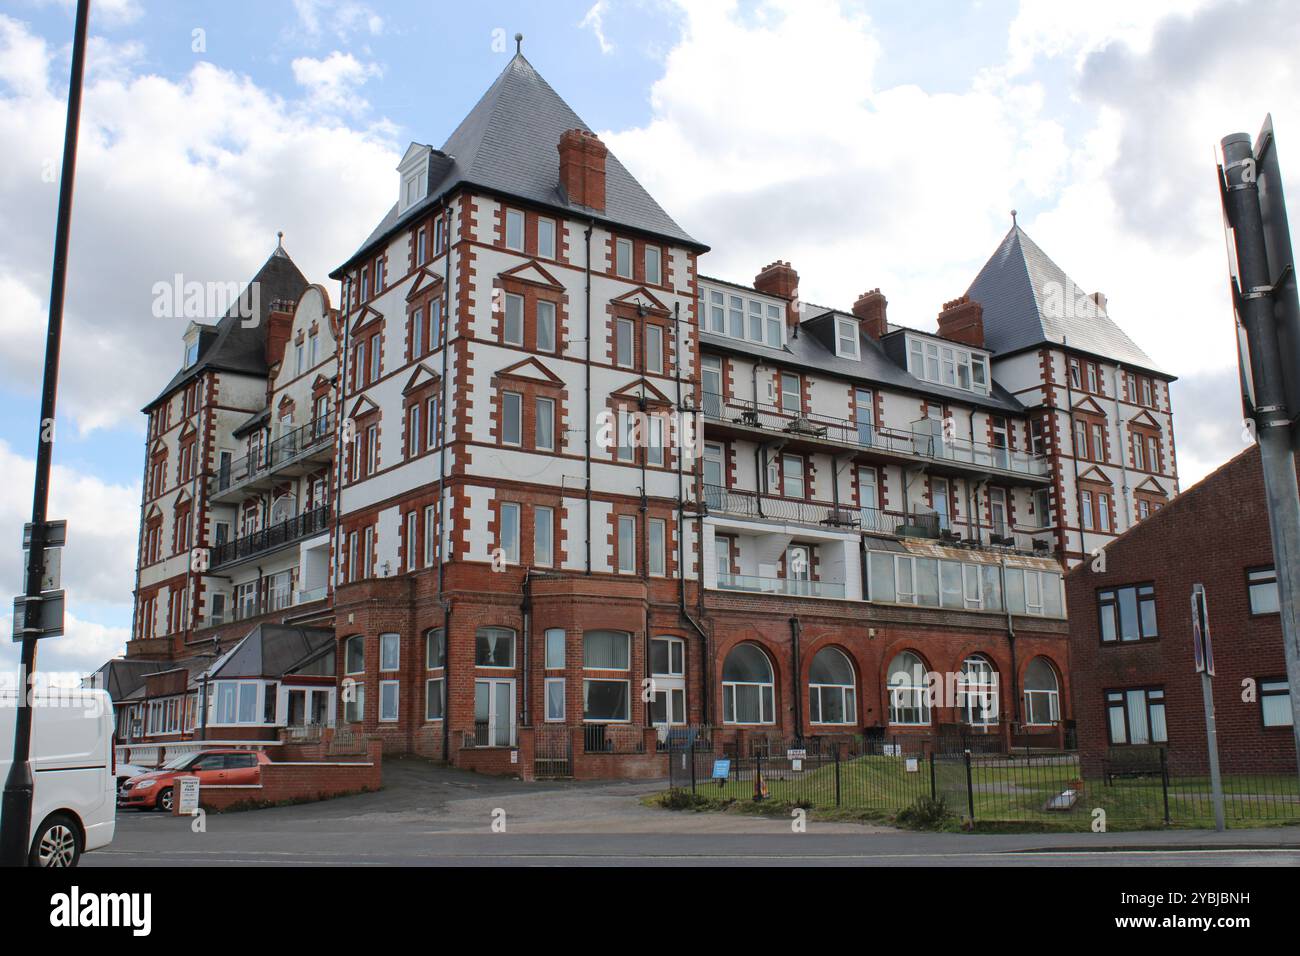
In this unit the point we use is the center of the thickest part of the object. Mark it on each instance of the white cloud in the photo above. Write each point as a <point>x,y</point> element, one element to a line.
<point>332,84</point>
<point>595,21</point>
<point>339,18</point>
<point>103,13</point>
<point>193,176</point>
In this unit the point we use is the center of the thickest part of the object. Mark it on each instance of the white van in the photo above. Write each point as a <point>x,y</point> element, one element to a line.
<point>74,801</point>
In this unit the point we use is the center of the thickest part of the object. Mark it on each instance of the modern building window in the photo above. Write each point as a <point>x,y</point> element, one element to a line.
<point>792,483</point>
<point>748,691</point>
<point>832,691</point>
<point>626,544</point>
<point>654,349</point>
<point>1275,703</point>
<point>545,326</point>
<point>435,649</point>
<point>1042,693</point>
<point>1127,613</point>
<point>389,651</point>
<point>1136,716</point>
<point>846,338</point>
<point>430,533</point>
<point>555,648</point>
<point>1261,584</point>
<point>546,238</point>
<point>977,692</point>
<point>543,536</point>
<point>624,330</point>
<point>508,538</point>
<point>354,655</point>
<point>623,258</point>
<point>434,698</point>
<point>791,394</point>
<point>544,433</point>
<point>1085,510</point>
<point>668,657</point>
<point>512,332</point>
<point>653,262</point>
<point>605,700</point>
<point>494,647</point>
<point>515,230</point>
<point>354,702</point>
<point>658,533</point>
<point>606,650</point>
<point>947,364</point>
<point>512,418</point>
<point>388,695</point>
<point>909,702</point>
<point>554,699</point>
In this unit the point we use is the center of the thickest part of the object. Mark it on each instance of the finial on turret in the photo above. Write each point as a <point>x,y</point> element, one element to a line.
<point>1013,217</point>
<point>519,43</point>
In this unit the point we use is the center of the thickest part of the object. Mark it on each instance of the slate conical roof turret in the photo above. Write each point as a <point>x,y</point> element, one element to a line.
<point>508,143</point>
<point>1028,300</point>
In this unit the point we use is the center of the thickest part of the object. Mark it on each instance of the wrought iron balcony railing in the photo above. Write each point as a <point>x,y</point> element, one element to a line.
<point>271,537</point>
<point>318,434</point>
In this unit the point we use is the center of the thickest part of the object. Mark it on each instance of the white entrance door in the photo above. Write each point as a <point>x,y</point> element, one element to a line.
<point>668,670</point>
<point>494,713</point>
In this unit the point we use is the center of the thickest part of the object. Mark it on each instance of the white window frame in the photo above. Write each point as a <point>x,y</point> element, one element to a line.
<point>395,686</point>
<point>544,437</point>
<point>514,223</point>
<point>551,716</point>
<point>512,401</point>
<point>546,246</point>
<point>390,651</point>
<point>846,338</point>
<point>626,544</point>
<point>546,320</point>
<point>653,255</point>
<point>509,533</point>
<point>512,319</point>
<point>658,543</point>
<point>543,521</point>
<point>624,341</point>
<point>623,258</point>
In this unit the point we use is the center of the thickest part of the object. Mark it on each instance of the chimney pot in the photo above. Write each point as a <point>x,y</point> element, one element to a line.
<point>780,279</point>
<point>962,320</point>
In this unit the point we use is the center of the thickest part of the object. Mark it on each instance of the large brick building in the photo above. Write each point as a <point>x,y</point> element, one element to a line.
<point>1134,680</point>
<point>582,494</point>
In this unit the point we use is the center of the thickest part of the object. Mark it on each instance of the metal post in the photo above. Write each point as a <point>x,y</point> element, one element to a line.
<point>692,764</point>
<point>16,815</point>
<point>934,790</point>
<point>970,788</point>
<point>1212,743</point>
<point>837,776</point>
<point>1164,781</point>
<point>1271,414</point>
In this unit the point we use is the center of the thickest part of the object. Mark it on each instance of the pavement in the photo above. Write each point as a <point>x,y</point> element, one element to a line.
<point>429,815</point>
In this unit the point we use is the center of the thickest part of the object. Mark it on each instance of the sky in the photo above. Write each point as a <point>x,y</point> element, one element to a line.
<point>871,144</point>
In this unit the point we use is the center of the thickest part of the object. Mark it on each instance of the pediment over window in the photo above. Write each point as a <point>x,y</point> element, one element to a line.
<point>422,376</point>
<point>531,369</point>
<point>639,389</point>
<point>643,297</point>
<point>1088,406</point>
<point>1151,487</point>
<point>363,407</point>
<point>426,281</point>
<point>533,273</point>
<point>1096,476</point>
<point>365,318</point>
<point>1144,420</point>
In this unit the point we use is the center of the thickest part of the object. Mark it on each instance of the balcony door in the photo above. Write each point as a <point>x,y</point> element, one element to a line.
<point>711,371</point>
<point>868,499</point>
<point>714,480</point>
<point>1001,453</point>
<point>864,406</point>
<point>668,671</point>
<point>798,570</point>
<point>939,499</point>
<point>998,511</point>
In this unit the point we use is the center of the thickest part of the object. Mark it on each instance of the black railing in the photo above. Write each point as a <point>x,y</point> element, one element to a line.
<point>613,739</point>
<point>961,451</point>
<point>317,433</point>
<point>273,536</point>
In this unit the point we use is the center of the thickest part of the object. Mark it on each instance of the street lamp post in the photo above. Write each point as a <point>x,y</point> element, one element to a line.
<point>16,809</point>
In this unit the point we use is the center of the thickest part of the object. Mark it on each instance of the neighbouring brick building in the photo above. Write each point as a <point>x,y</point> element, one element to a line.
<point>581,494</point>
<point>1131,641</point>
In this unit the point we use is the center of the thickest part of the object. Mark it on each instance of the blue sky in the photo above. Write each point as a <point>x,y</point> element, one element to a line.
<point>872,144</point>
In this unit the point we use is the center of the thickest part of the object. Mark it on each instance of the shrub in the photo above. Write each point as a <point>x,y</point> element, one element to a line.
<point>926,813</point>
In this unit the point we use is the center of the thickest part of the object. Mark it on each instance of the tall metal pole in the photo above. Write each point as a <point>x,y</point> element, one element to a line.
<point>1212,745</point>
<point>16,809</point>
<point>1272,423</point>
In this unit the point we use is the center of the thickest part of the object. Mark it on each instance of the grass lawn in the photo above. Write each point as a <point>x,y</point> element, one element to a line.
<point>1011,790</point>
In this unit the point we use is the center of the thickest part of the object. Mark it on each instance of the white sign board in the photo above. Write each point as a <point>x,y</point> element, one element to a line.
<point>187,795</point>
<point>913,765</point>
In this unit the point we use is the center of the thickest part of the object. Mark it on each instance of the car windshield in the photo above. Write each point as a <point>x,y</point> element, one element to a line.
<point>179,763</point>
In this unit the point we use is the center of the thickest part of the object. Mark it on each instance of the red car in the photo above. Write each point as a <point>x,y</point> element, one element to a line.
<point>157,789</point>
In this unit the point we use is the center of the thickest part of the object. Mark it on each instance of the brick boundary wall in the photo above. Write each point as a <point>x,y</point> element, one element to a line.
<point>300,781</point>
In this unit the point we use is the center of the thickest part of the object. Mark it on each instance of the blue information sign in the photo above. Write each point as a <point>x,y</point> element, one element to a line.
<point>721,769</point>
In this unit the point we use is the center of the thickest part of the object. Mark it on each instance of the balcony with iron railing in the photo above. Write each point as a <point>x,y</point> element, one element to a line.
<point>949,454</point>
<point>296,450</point>
<point>898,524</point>
<point>272,537</point>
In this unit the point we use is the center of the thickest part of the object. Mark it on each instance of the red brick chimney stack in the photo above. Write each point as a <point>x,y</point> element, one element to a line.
<point>870,310</point>
<point>779,279</point>
<point>962,320</point>
<point>582,168</point>
<point>279,324</point>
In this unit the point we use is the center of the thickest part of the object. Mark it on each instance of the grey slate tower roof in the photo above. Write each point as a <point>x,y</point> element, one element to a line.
<point>236,345</point>
<point>272,650</point>
<point>1028,300</point>
<point>508,143</point>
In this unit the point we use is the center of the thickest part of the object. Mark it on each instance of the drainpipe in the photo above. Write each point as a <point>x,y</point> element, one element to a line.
<point>340,403</point>
<point>1120,448</point>
<point>446,679</point>
<point>796,684</point>
<point>526,608</point>
<point>1011,641</point>
<point>1074,457</point>
<point>591,226</point>
<point>442,413</point>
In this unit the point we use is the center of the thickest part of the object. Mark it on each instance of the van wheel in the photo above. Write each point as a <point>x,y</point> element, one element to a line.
<point>57,843</point>
<point>165,800</point>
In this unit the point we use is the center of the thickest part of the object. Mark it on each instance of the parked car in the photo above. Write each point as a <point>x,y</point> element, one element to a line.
<point>72,758</point>
<point>157,789</point>
<point>125,771</point>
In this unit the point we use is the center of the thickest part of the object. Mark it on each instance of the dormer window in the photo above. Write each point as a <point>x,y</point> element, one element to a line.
<point>846,338</point>
<point>759,321</point>
<point>191,353</point>
<point>413,175</point>
<point>946,364</point>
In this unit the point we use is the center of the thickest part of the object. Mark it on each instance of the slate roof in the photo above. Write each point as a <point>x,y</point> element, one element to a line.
<point>814,349</point>
<point>236,345</point>
<point>508,143</point>
<point>122,677</point>
<point>1019,288</point>
<point>273,650</point>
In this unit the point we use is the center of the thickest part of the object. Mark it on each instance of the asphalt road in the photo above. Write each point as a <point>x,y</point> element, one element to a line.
<point>434,816</point>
